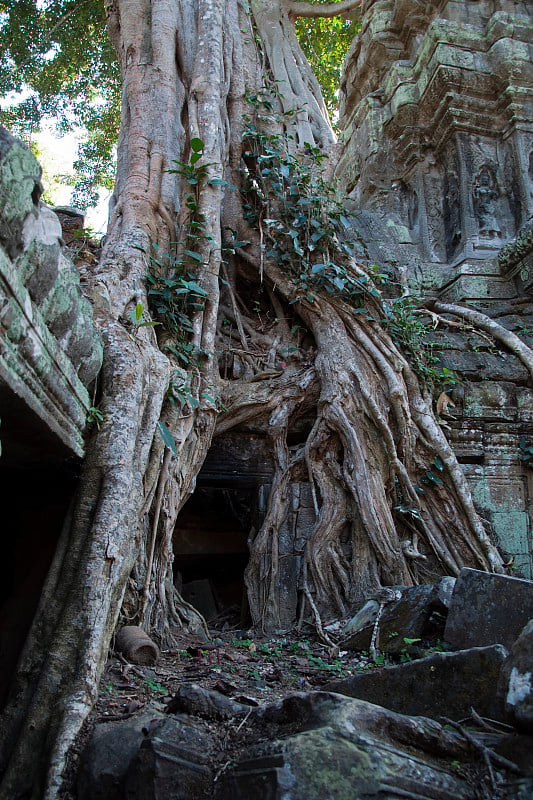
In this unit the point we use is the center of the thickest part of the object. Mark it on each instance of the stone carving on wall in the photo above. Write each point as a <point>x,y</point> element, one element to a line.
<point>485,193</point>
<point>452,213</point>
<point>455,86</point>
<point>433,207</point>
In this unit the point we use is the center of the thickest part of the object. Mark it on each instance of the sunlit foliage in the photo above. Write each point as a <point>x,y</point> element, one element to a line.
<point>325,42</point>
<point>56,62</point>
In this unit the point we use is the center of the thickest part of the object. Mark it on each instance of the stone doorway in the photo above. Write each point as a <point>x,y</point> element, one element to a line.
<point>211,550</point>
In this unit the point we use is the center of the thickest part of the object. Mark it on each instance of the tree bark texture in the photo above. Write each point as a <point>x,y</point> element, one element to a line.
<point>189,68</point>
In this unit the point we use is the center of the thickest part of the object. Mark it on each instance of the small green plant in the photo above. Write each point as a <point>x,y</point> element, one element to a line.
<point>270,651</point>
<point>432,476</point>
<point>94,415</point>
<point>298,647</point>
<point>139,321</point>
<point>527,453</point>
<point>336,666</point>
<point>411,329</point>
<point>242,643</point>
<point>155,686</point>
<point>308,233</point>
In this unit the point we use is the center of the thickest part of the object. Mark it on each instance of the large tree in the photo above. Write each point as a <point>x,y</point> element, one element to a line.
<point>221,199</point>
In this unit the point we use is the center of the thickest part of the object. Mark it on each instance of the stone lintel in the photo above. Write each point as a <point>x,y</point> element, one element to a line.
<point>34,366</point>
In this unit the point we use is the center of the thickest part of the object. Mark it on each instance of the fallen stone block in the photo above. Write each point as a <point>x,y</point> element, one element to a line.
<point>442,684</point>
<point>193,699</point>
<point>108,755</point>
<point>487,609</point>
<point>174,761</point>
<point>516,681</point>
<point>410,617</point>
<point>324,746</point>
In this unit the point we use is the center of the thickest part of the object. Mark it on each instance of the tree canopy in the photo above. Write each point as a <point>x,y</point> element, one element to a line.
<point>57,63</point>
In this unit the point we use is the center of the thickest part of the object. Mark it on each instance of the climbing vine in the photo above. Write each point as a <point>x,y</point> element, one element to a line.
<point>307,231</point>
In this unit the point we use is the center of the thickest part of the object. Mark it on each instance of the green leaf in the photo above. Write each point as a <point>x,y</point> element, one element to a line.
<point>196,288</point>
<point>167,437</point>
<point>437,462</point>
<point>297,248</point>
<point>221,182</point>
<point>316,268</point>
<point>195,158</point>
<point>197,145</point>
<point>432,478</point>
<point>195,256</point>
<point>139,311</point>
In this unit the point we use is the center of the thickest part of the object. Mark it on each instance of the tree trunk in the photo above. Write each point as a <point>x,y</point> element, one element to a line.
<point>197,76</point>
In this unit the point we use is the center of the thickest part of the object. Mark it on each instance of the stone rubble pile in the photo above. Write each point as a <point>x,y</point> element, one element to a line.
<point>424,728</point>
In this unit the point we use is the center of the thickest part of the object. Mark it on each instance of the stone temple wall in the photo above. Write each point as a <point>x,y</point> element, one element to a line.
<point>437,159</point>
<point>50,349</point>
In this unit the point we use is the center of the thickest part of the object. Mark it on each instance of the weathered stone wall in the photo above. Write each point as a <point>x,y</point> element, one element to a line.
<point>50,349</point>
<point>438,117</point>
<point>437,152</point>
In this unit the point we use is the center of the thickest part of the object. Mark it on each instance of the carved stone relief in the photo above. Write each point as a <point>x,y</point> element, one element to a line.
<point>485,193</point>
<point>452,213</point>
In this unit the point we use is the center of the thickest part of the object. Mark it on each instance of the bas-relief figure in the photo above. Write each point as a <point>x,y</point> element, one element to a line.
<point>485,193</point>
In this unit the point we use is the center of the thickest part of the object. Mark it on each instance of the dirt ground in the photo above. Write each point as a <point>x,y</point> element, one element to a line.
<point>250,669</point>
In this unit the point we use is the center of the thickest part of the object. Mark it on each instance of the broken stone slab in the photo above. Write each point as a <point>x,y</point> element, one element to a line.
<point>487,609</point>
<point>108,754</point>
<point>516,681</point>
<point>413,616</point>
<point>174,761</point>
<point>195,700</point>
<point>442,684</point>
<point>321,745</point>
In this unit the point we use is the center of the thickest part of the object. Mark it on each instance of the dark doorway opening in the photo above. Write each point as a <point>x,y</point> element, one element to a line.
<point>38,477</point>
<point>211,551</point>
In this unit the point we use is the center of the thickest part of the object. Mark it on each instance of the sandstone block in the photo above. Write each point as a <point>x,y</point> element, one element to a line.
<point>442,684</point>
<point>516,681</point>
<point>487,609</point>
